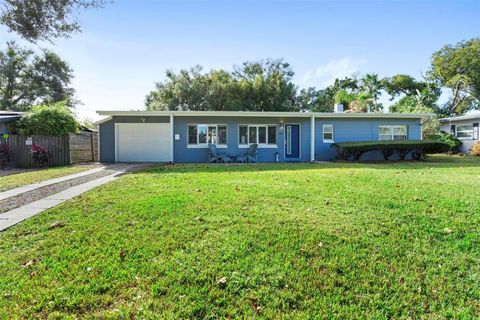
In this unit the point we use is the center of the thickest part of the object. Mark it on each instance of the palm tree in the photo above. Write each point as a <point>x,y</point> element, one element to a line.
<point>370,84</point>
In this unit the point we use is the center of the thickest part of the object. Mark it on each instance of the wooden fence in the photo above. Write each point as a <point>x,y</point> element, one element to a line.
<point>74,148</point>
<point>83,147</point>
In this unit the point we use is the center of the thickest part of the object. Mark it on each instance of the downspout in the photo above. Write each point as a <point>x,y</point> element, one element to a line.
<point>312,138</point>
<point>172,137</point>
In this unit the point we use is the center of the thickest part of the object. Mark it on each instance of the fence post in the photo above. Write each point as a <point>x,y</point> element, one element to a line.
<point>92,147</point>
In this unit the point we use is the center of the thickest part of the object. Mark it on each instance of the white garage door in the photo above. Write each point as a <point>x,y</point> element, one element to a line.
<point>142,142</point>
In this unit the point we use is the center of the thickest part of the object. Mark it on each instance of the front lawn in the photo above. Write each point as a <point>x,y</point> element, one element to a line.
<point>344,241</point>
<point>34,176</point>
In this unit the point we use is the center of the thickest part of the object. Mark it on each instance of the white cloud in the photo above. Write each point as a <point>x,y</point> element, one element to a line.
<point>324,75</point>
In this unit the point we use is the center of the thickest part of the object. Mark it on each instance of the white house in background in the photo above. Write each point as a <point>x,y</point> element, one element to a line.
<point>464,128</point>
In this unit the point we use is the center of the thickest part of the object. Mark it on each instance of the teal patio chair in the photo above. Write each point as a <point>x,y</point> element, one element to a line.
<point>250,156</point>
<point>215,156</point>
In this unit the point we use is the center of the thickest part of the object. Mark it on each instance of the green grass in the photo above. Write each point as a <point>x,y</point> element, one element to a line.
<point>21,179</point>
<point>335,241</point>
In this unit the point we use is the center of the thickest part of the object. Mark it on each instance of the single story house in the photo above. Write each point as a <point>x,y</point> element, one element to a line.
<point>464,128</point>
<point>183,136</point>
<point>7,117</point>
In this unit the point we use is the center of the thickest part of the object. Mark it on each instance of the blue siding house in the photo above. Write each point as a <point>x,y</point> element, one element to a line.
<point>183,136</point>
<point>7,117</point>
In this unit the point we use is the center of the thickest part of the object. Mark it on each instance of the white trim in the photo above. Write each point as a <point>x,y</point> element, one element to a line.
<point>116,141</point>
<point>103,120</point>
<point>312,139</point>
<point>421,131</point>
<point>464,138</point>
<point>205,145</point>
<point>474,116</point>
<point>393,126</point>
<point>260,146</point>
<point>288,136</point>
<point>257,125</point>
<point>267,114</point>
<point>11,112</point>
<point>333,133</point>
<point>172,137</point>
<point>299,141</point>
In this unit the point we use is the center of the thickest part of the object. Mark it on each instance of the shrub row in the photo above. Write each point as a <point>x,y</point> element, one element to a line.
<point>452,141</point>
<point>416,148</point>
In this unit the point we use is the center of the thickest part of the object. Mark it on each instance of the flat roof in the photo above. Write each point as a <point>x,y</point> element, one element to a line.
<point>471,116</point>
<point>266,114</point>
<point>11,113</point>
<point>6,118</point>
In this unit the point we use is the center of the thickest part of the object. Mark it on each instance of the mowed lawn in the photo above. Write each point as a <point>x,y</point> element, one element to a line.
<point>33,176</point>
<point>337,241</point>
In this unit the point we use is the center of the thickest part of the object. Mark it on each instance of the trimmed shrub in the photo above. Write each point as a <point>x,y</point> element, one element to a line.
<point>475,150</point>
<point>40,155</point>
<point>452,141</point>
<point>5,155</point>
<point>416,148</point>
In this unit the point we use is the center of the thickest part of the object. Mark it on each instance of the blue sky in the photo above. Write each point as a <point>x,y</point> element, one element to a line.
<point>127,46</point>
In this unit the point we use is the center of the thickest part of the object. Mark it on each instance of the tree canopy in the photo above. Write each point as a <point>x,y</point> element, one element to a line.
<point>253,86</point>
<point>267,85</point>
<point>36,20</point>
<point>457,67</point>
<point>27,78</point>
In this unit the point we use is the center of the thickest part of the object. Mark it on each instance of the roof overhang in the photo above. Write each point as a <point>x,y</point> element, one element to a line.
<point>8,118</point>
<point>460,118</point>
<point>11,113</point>
<point>261,114</point>
<point>103,120</point>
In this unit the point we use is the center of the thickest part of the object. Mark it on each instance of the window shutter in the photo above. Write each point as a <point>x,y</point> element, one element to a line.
<point>453,130</point>
<point>475,131</point>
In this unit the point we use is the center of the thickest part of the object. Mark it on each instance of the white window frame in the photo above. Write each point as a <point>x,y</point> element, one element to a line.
<point>464,126</point>
<point>205,145</point>
<point>392,134</point>
<point>332,132</point>
<point>260,145</point>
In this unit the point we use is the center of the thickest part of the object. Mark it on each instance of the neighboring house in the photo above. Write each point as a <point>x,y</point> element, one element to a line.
<point>183,136</point>
<point>7,117</point>
<point>464,128</point>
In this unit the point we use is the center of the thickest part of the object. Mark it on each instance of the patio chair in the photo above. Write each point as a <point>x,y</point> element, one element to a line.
<point>215,156</point>
<point>250,156</point>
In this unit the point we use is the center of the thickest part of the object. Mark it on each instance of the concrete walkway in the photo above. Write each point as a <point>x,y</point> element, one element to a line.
<point>12,217</point>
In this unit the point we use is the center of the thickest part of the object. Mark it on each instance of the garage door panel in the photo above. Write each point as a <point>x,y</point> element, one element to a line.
<point>143,142</point>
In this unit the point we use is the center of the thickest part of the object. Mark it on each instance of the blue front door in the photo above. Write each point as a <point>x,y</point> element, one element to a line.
<point>292,141</point>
